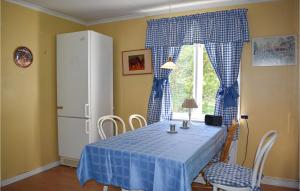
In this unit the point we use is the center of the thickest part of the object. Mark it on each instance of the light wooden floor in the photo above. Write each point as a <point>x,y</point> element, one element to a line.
<point>63,178</point>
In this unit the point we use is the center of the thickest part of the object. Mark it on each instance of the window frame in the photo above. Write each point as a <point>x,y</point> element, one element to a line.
<point>198,88</point>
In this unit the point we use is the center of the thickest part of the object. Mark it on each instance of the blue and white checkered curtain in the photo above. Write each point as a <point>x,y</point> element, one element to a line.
<point>225,58</point>
<point>160,101</point>
<point>222,32</point>
<point>220,26</point>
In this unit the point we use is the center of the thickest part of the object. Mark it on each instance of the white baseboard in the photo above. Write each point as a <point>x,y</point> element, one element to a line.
<point>30,173</point>
<point>280,182</point>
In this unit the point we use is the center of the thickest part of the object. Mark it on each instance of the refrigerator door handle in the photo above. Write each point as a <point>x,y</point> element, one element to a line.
<point>87,126</point>
<point>87,110</point>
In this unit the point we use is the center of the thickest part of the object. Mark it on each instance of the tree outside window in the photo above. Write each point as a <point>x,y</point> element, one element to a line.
<point>193,76</point>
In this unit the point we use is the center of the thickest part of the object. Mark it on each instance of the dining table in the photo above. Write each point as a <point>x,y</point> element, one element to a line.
<point>152,157</point>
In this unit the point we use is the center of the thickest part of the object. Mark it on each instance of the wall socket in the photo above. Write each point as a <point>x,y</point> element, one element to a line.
<point>244,116</point>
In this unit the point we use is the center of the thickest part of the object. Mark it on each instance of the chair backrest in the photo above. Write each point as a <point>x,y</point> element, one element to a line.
<point>142,121</point>
<point>230,133</point>
<point>112,118</point>
<point>262,152</point>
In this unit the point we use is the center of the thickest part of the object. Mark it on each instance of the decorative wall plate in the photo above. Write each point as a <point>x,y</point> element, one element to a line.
<point>23,57</point>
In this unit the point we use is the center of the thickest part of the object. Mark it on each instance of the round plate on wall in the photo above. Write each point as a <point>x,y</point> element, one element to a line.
<point>23,57</point>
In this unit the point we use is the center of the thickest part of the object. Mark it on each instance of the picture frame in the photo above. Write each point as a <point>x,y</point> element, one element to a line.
<point>136,62</point>
<point>274,51</point>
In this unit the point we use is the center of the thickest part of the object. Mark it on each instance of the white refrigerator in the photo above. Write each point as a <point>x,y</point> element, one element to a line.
<point>84,90</point>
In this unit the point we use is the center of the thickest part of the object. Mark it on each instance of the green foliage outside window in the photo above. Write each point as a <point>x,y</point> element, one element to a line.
<point>182,81</point>
<point>210,85</point>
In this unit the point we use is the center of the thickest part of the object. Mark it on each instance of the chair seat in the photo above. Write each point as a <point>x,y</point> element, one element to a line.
<point>234,177</point>
<point>228,175</point>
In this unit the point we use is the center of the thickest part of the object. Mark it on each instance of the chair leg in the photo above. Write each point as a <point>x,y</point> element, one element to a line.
<point>105,188</point>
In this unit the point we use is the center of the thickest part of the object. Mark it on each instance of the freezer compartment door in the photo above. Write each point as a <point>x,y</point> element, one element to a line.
<point>73,135</point>
<point>73,75</point>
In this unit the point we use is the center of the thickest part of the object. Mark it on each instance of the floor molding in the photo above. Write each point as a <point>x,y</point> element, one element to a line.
<point>30,173</point>
<point>274,181</point>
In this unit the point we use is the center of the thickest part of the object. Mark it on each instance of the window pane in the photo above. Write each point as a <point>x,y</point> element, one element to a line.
<point>189,77</point>
<point>181,79</point>
<point>210,85</point>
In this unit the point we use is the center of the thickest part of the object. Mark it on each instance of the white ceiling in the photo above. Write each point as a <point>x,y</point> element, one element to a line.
<point>99,11</point>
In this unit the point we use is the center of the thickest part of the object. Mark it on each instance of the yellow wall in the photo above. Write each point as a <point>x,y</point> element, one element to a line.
<point>268,94</point>
<point>29,130</point>
<point>299,87</point>
<point>0,88</point>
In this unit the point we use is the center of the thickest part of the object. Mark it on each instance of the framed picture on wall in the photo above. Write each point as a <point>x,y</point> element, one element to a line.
<point>137,62</point>
<point>274,51</point>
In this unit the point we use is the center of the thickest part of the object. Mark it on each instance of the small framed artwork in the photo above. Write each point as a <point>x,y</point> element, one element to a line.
<point>137,62</point>
<point>274,51</point>
<point>23,57</point>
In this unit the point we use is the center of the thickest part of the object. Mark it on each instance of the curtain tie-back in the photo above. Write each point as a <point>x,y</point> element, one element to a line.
<point>158,87</point>
<point>229,95</point>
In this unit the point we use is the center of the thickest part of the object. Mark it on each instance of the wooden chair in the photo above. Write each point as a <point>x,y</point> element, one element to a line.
<point>230,134</point>
<point>139,118</point>
<point>223,157</point>
<point>233,177</point>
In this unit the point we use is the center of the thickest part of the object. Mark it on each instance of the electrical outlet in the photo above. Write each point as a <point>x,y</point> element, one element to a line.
<point>244,116</point>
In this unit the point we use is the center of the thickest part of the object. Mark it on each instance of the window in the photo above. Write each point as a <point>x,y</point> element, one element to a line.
<point>194,78</point>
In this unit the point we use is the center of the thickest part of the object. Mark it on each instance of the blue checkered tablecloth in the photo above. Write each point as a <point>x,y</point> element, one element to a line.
<point>149,158</point>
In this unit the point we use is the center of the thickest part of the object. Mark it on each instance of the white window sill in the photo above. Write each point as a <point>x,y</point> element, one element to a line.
<point>184,116</point>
